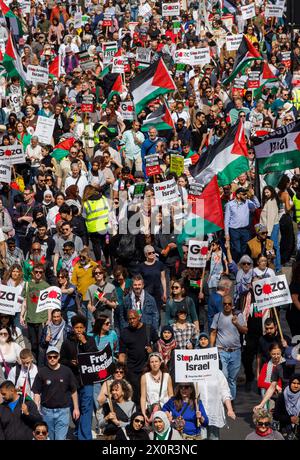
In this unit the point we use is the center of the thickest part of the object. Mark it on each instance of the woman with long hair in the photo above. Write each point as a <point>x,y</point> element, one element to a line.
<point>14,277</point>
<point>156,386</point>
<point>122,284</point>
<point>53,215</point>
<point>287,242</point>
<point>9,350</point>
<point>178,299</point>
<point>101,296</point>
<point>262,270</point>
<point>269,217</point>
<point>68,295</point>
<point>22,134</point>
<point>264,378</point>
<point>293,310</point>
<point>119,373</point>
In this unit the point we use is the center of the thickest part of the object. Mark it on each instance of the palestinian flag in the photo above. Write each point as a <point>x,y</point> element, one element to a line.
<point>279,150</point>
<point>61,150</point>
<point>228,158</point>
<point>54,68</point>
<point>12,21</point>
<point>229,7</point>
<point>206,214</point>
<point>111,84</point>
<point>117,87</point>
<point>245,54</point>
<point>266,78</point>
<point>151,83</point>
<point>12,62</point>
<point>161,119</point>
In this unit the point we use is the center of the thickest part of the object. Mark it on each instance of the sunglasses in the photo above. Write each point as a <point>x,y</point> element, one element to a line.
<point>65,229</point>
<point>246,263</point>
<point>107,323</point>
<point>263,424</point>
<point>41,432</point>
<point>150,252</point>
<point>61,276</point>
<point>227,303</point>
<point>175,287</point>
<point>141,422</point>
<point>184,387</point>
<point>52,357</point>
<point>38,272</point>
<point>263,233</point>
<point>119,372</point>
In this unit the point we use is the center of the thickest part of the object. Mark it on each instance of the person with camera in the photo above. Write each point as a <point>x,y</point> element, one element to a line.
<point>287,409</point>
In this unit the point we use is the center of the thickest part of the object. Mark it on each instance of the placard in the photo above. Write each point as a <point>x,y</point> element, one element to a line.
<point>271,292</point>
<point>139,190</point>
<point>143,55</point>
<point>87,105</point>
<point>8,299</point>
<point>286,58</point>
<point>118,64</point>
<point>96,366</point>
<point>273,11</point>
<point>5,173</point>
<point>197,255</point>
<point>145,10</point>
<point>152,164</point>
<point>170,9</point>
<point>127,110</point>
<point>109,50</point>
<point>107,20</point>
<point>37,74</point>
<point>238,86</point>
<point>85,60</point>
<point>200,56</point>
<point>253,80</point>
<point>49,299</point>
<point>77,20</point>
<point>233,42</point>
<point>166,192</point>
<point>176,164</point>
<point>25,6</point>
<point>195,190</point>
<point>44,129</point>
<point>248,11</point>
<point>195,365</point>
<point>182,56</point>
<point>12,154</point>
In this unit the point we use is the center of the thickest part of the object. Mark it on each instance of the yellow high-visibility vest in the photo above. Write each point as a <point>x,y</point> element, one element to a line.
<point>296,202</point>
<point>296,98</point>
<point>96,215</point>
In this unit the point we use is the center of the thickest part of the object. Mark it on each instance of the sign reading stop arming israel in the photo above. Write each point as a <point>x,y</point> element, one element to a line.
<point>271,292</point>
<point>197,254</point>
<point>166,192</point>
<point>37,74</point>
<point>171,9</point>
<point>200,56</point>
<point>233,42</point>
<point>248,11</point>
<point>273,11</point>
<point>194,365</point>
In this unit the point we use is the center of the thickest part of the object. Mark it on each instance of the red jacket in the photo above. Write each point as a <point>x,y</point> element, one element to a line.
<point>261,383</point>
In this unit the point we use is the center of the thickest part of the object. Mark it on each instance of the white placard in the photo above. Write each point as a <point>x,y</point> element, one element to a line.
<point>195,365</point>
<point>127,110</point>
<point>145,10</point>
<point>5,173</point>
<point>200,56</point>
<point>25,6</point>
<point>109,50</point>
<point>182,56</point>
<point>118,64</point>
<point>233,42</point>
<point>166,192</point>
<point>170,9</point>
<point>143,54</point>
<point>273,11</point>
<point>37,74</point>
<point>49,299</point>
<point>248,11</point>
<point>271,292</point>
<point>44,129</point>
<point>8,299</point>
<point>77,20</point>
<point>197,254</point>
<point>12,154</point>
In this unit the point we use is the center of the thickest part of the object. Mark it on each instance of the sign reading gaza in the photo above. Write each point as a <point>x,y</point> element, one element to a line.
<point>96,366</point>
<point>12,154</point>
<point>271,292</point>
<point>194,365</point>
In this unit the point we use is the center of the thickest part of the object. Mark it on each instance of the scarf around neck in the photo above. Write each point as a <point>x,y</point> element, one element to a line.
<point>292,402</point>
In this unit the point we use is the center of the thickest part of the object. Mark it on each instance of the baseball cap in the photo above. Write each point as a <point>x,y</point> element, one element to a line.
<point>52,350</point>
<point>241,190</point>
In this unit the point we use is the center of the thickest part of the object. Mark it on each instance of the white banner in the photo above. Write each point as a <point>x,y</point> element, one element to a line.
<point>77,20</point>
<point>233,42</point>
<point>182,56</point>
<point>248,11</point>
<point>49,299</point>
<point>194,365</point>
<point>5,173</point>
<point>44,129</point>
<point>197,254</point>
<point>166,192</point>
<point>271,292</point>
<point>170,9</point>
<point>8,299</point>
<point>273,11</point>
<point>37,74</point>
<point>200,56</point>
<point>12,154</point>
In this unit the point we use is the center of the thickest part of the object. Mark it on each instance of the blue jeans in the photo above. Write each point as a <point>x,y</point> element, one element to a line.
<point>274,238</point>
<point>231,363</point>
<point>239,238</point>
<point>134,13</point>
<point>57,421</point>
<point>83,426</point>
<point>89,316</point>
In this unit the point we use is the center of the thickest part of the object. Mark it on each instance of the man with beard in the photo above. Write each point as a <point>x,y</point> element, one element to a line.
<point>237,221</point>
<point>70,257</point>
<point>36,256</point>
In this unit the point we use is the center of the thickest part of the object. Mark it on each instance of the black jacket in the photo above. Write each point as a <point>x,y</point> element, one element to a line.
<point>70,350</point>
<point>15,426</point>
<point>280,413</point>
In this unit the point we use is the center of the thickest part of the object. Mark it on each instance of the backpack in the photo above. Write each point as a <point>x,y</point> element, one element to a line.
<point>126,247</point>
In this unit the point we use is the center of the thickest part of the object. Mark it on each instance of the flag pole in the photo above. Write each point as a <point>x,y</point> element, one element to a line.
<point>24,387</point>
<point>278,323</point>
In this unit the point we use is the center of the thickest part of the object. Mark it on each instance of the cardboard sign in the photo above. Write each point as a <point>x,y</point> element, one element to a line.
<point>127,110</point>
<point>152,165</point>
<point>248,11</point>
<point>200,56</point>
<point>109,50</point>
<point>37,74</point>
<point>49,299</point>
<point>96,366</point>
<point>271,292</point>
<point>286,58</point>
<point>12,154</point>
<point>176,164</point>
<point>166,192</point>
<point>118,64</point>
<point>77,20</point>
<point>238,86</point>
<point>44,129</point>
<point>195,190</point>
<point>5,173</point>
<point>253,80</point>
<point>170,9</point>
<point>197,254</point>
<point>85,60</point>
<point>143,55</point>
<point>273,11</point>
<point>107,21</point>
<point>233,42</point>
<point>195,365</point>
<point>139,190</point>
<point>176,25</point>
<point>87,105</point>
<point>182,56</point>
<point>8,299</point>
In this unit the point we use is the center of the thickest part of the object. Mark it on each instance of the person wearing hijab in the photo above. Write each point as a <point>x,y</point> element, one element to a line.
<point>134,431</point>
<point>162,430</point>
<point>48,201</point>
<point>165,346</point>
<point>287,408</point>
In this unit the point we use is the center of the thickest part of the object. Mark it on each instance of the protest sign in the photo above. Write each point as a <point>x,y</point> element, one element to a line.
<point>170,9</point>
<point>199,56</point>
<point>37,74</point>
<point>96,366</point>
<point>118,64</point>
<point>195,365</point>
<point>152,165</point>
<point>49,299</point>
<point>176,164</point>
<point>176,25</point>
<point>87,104</point>
<point>197,254</point>
<point>5,173</point>
<point>109,49</point>
<point>8,299</point>
<point>139,190</point>
<point>127,110</point>
<point>145,10</point>
<point>166,192</point>
<point>107,20</point>
<point>233,42</point>
<point>143,55</point>
<point>25,6</point>
<point>44,129</point>
<point>194,191</point>
<point>12,154</point>
<point>253,80</point>
<point>85,60</point>
<point>273,11</point>
<point>182,56</point>
<point>271,292</point>
<point>286,58</point>
<point>248,11</point>
<point>77,20</point>
<point>296,79</point>
<point>238,86</point>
